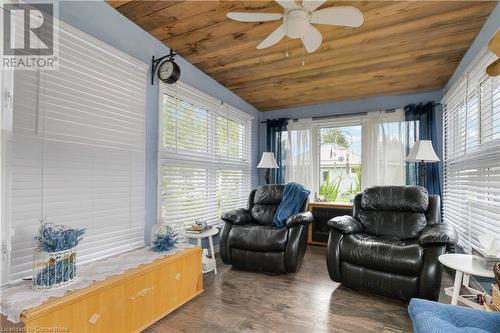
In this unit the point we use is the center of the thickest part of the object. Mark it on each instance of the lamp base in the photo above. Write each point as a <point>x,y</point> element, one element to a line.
<point>423,174</point>
<point>268,176</point>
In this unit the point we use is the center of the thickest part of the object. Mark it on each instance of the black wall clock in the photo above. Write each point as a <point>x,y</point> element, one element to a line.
<point>168,71</point>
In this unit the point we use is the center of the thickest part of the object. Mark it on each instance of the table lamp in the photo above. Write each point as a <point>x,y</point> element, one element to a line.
<point>422,152</point>
<point>268,162</point>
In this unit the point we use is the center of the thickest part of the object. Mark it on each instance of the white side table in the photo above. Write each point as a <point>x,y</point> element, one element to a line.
<point>465,265</point>
<point>206,234</point>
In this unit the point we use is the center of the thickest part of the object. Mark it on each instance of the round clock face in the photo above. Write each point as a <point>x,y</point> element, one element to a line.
<point>169,72</point>
<point>166,69</point>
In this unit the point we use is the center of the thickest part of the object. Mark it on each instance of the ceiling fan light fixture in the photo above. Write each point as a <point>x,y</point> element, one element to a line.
<point>296,23</point>
<point>299,19</point>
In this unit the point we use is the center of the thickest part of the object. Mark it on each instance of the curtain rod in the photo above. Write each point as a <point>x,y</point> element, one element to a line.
<point>390,110</point>
<point>332,116</point>
<point>357,114</point>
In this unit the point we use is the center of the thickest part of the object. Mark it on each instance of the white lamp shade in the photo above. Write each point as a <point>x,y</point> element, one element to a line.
<point>422,151</point>
<point>267,161</point>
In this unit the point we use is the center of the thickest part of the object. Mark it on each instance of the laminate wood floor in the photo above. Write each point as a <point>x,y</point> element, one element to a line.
<point>239,301</point>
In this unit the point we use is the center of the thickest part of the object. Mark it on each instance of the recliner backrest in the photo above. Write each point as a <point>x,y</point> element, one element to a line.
<point>265,202</point>
<point>393,211</point>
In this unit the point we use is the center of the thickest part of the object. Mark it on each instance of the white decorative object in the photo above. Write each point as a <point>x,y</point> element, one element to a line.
<point>267,161</point>
<point>54,269</point>
<point>422,151</point>
<point>207,264</point>
<point>465,265</point>
<point>490,244</point>
<point>206,234</point>
<point>19,297</point>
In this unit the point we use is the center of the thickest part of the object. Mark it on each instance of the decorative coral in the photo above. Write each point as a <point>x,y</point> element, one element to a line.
<point>165,239</point>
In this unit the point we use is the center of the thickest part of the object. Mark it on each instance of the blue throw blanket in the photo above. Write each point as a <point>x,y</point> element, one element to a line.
<point>294,197</point>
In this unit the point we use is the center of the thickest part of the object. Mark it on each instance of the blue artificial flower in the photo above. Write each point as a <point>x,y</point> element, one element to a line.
<point>57,237</point>
<point>165,239</point>
<point>57,271</point>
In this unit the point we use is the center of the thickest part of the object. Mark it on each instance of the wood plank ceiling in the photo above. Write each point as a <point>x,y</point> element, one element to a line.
<point>403,46</point>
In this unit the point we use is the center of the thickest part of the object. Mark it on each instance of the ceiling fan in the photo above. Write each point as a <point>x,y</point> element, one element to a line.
<point>298,20</point>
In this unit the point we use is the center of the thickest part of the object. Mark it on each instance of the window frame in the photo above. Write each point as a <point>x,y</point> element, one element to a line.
<point>87,147</point>
<point>349,121</point>
<point>467,167</point>
<point>210,160</point>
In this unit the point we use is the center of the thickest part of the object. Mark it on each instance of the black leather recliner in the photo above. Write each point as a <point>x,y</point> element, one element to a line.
<point>391,244</point>
<point>249,241</point>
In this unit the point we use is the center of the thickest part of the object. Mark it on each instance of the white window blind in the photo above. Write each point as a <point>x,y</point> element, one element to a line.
<point>77,151</point>
<point>204,156</point>
<point>471,200</point>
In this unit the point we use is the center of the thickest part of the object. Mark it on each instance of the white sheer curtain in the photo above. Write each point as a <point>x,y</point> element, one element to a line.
<point>383,149</point>
<point>299,162</point>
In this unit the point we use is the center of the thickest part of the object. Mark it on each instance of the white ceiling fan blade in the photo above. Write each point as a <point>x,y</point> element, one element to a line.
<point>287,4</point>
<point>312,39</point>
<point>311,5</point>
<point>254,17</point>
<point>338,15</point>
<point>273,38</point>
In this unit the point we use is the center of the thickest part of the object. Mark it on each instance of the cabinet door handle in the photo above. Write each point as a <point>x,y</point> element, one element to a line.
<point>94,318</point>
<point>178,276</point>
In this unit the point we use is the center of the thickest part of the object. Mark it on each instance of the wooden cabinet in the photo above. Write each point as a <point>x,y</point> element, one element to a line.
<point>322,213</point>
<point>126,303</point>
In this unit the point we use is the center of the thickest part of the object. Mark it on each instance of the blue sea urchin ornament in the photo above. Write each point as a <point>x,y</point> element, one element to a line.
<point>165,239</point>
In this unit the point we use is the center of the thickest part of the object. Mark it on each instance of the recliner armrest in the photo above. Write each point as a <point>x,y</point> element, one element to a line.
<point>438,234</point>
<point>300,218</point>
<point>237,216</point>
<point>346,224</point>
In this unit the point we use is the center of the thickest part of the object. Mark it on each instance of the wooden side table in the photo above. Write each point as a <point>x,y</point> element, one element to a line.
<point>206,234</point>
<point>322,212</point>
<point>465,265</point>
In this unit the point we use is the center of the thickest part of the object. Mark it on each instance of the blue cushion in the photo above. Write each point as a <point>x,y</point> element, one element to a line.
<point>433,317</point>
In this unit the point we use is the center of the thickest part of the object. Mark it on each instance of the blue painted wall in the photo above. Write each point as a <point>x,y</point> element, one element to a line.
<point>103,22</point>
<point>353,106</point>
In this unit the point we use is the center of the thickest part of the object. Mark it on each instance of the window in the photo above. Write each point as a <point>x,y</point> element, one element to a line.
<point>348,154</point>
<point>76,153</point>
<point>471,199</point>
<point>204,156</point>
<point>340,162</point>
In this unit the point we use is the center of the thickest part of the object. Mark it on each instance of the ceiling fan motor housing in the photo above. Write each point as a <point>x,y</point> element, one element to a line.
<point>299,18</point>
<point>296,23</point>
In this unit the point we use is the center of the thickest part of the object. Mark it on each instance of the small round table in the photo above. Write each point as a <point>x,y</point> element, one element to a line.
<point>465,265</point>
<point>206,234</point>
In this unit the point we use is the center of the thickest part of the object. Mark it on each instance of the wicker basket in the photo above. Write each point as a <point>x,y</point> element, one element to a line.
<point>495,297</point>
<point>54,269</point>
